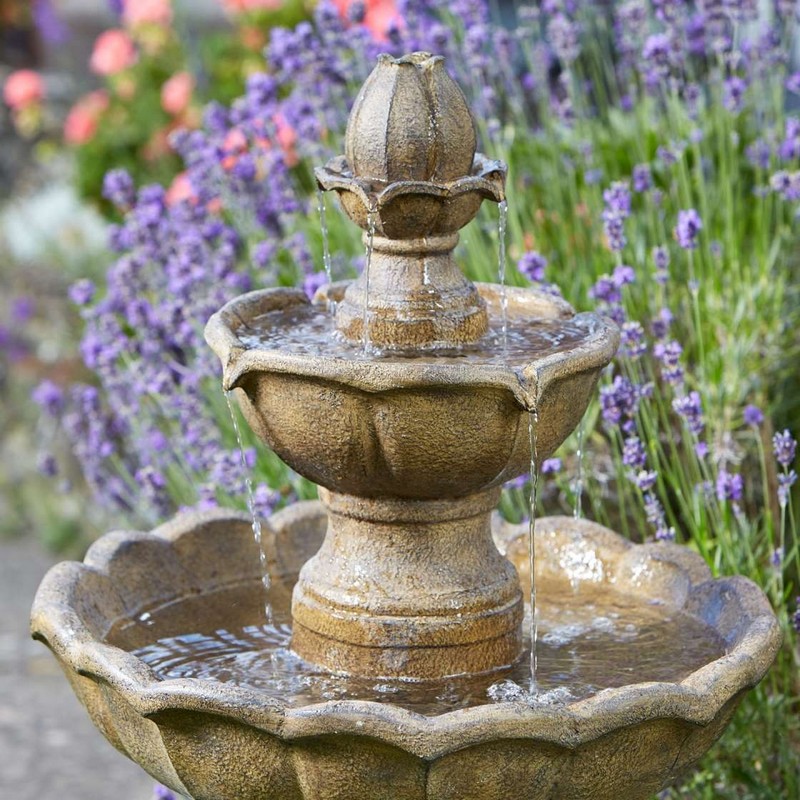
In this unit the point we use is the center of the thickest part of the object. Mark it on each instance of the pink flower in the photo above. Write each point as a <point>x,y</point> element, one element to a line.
<point>176,93</point>
<point>81,123</point>
<point>286,136</point>
<point>379,16</point>
<point>113,52</point>
<point>239,6</point>
<point>22,89</point>
<point>180,189</point>
<point>147,12</point>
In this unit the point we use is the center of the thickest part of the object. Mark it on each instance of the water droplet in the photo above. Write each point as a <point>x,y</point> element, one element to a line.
<point>251,505</point>
<point>367,261</point>
<point>502,222</point>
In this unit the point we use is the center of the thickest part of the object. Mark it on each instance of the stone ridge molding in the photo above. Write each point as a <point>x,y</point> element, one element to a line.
<point>213,741</point>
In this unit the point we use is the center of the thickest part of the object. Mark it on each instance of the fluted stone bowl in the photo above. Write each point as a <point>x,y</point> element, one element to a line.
<point>412,209</point>
<point>216,741</point>
<point>413,428</point>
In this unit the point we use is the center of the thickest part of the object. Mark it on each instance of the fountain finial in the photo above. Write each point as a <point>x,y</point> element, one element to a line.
<point>410,122</point>
<point>411,179</point>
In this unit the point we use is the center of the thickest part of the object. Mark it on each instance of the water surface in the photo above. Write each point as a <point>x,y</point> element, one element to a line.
<point>587,641</point>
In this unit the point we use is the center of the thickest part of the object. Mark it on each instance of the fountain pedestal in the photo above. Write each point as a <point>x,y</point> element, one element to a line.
<point>384,595</point>
<point>418,298</point>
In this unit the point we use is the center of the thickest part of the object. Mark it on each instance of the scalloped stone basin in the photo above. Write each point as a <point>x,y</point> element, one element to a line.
<point>444,425</point>
<point>185,598</point>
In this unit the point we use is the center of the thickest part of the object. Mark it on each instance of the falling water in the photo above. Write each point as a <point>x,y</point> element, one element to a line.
<point>533,422</point>
<point>502,221</point>
<point>326,249</point>
<point>578,512</point>
<point>251,505</point>
<point>367,260</point>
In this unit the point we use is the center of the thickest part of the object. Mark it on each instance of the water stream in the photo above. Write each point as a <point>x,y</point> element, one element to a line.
<point>502,223</point>
<point>326,248</point>
<point>533,422</point>
<point>578,511</point>
<point>367,261</point>
<point>251,505</point>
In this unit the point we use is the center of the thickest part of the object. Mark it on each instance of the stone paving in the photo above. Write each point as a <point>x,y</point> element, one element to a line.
<point>49,749</point>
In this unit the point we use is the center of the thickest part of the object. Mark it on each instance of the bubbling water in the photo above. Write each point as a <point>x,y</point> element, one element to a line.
<point>305,330</point>
<point>590,640</point>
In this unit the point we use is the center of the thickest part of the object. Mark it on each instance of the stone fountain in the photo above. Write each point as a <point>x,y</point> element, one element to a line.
<point>392,663</point>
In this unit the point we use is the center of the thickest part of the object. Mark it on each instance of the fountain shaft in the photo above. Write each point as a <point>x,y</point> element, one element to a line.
<point>384,596</point>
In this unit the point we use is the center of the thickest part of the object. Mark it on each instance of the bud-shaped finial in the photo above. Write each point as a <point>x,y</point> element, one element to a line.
<point>410,122</point>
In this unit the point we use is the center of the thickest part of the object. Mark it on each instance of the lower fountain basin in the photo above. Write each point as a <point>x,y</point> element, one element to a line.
<point>145,611</point>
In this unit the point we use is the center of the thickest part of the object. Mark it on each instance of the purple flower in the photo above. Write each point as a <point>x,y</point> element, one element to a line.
<point>729,486</point>
<point>551,466</point>
<point>669,354</point>
<point>661,56</point>
<point>668,10</point>
<point>642,178</point>
<point>518,482</point>
<point>796,616</point>
<point>51,27</point>
<point>793,83</point>
<point>659,327</point>
<point>118,188</point>
<point>633,342</point>
<point>22,309</point>
<point>785,482</point>
<point>645,479</point>
<point>690,408</point>
<point>654,512</point>
<point>162,793</point>
<point>689,225</point>
<point>81,292</point>
<point>790,146</point>
<point>786,184</point>
<point>532,265</point>
<point>46,465</point>
<point>661,260</point>
<point>619,401</point>
<point>753,416</point>
<point>265,500</point>
<point>701,450</point>
<point>617,199</point>
<point>784,446</point>
<point>314,281</point>
<point>733,92</point>
<point>633,454</point>
<point>49,397</point>
<point>562,33</point>
<point>614,226</point>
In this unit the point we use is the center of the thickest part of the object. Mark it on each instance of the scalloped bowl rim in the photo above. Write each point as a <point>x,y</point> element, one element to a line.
<point>375,375</point>
<point>696,699</point>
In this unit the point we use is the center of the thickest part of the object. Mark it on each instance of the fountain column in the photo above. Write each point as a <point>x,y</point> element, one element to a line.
<point>384,595</point>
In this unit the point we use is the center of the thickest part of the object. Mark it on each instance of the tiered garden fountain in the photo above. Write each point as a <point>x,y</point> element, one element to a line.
<point>393,662</point>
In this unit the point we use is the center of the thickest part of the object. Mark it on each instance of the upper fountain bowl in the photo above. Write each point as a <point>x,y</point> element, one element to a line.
<point>422,427</point>
<point>410,168</point>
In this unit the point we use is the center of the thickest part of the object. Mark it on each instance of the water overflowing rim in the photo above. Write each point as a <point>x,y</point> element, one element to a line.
<point>697,699</point>
<point>526,382</point>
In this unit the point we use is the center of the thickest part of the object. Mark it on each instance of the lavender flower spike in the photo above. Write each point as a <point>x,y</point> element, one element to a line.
<point>688,227</point>
<point>785,447</point>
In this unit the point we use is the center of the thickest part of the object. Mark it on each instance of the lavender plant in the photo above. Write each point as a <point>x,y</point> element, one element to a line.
<point>653,174</point>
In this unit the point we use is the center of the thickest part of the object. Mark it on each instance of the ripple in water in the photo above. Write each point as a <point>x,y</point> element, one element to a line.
<point>306,330</point>
<point>588,642</point>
